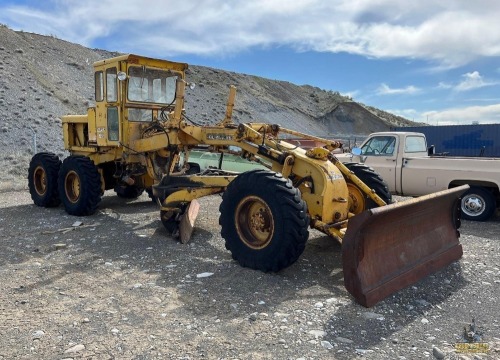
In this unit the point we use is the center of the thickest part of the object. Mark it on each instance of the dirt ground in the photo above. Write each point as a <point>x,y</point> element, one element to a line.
<point>117,287</point>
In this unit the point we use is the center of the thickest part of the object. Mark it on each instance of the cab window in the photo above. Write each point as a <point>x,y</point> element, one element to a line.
<point>151,85</point>
<point>379,145</point>
<point>415,144</point>
<point>99,86</point>
<point>111,85</point>
<point>140,115</point>
<point>113,124</point>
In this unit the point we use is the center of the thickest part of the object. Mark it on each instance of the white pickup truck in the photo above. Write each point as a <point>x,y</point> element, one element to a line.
<point>409,168</point>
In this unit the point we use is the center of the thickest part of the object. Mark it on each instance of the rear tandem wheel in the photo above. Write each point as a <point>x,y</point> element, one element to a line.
<point>42,179</point>
<point>79,185</point>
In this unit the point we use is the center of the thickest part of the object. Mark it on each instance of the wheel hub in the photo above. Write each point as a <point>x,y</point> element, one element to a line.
<point>356,199</point>
<point>473,205</point>
<point>254,222</point>
<point>40,180</point>
<point>72,186</point>
<point>258,221</point>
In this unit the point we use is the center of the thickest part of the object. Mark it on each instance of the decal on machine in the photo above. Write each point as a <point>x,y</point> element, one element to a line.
<point>219,136</point>
<point>101,132</point>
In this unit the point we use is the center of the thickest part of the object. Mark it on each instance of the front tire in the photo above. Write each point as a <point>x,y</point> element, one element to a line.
<point>42,179</point>
<point>359,201</point>
<point>79,186</point>
<point>264,220</point>
<point>478,204</point>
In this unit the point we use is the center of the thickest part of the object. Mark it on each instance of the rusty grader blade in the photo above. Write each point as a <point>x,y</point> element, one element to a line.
<point>186,225</point>
<point>388,248</point>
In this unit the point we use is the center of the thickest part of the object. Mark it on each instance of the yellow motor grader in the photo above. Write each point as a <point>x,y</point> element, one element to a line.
<point>138,137</point>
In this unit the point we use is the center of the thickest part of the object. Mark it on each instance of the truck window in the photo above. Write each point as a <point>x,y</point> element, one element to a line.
<point>379,145</point>
<point>415,144</point>
<point>111,88</point>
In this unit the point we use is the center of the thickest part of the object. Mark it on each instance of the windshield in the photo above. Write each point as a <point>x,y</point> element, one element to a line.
<point>151,85</point>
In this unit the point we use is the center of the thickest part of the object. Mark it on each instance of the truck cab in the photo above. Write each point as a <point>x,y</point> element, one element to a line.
<point>388,152</point>
<point>403,161</point>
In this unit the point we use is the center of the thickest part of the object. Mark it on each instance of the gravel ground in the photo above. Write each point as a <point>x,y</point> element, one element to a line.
<point>118,288</point>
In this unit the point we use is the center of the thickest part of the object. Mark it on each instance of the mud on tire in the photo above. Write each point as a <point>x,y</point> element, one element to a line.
<point>264,220</point>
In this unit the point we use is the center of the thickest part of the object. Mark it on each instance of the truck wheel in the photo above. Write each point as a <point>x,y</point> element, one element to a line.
<point>79,185</point>
<point>264,220</point>
<point>42,179</point>
<point>360,201</point>
<point>478,204</point>
<point>128,191</point>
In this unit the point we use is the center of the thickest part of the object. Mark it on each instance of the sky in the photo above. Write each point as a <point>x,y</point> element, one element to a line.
<point>429,61</point>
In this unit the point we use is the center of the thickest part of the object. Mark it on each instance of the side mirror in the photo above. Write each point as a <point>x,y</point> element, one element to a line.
<point>356,151</point>
<point>431,150</point>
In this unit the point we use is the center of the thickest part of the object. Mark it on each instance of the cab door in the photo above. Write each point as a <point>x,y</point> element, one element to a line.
<point>380,152</point>
<point>108,129</point>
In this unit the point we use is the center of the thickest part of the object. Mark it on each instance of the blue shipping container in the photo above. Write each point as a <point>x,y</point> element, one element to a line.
<point>461,140</point>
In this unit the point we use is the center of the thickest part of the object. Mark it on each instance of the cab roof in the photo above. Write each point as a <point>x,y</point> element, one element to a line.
<point>142,60</point>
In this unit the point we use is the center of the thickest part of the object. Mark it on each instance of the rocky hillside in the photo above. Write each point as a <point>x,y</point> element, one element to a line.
<point>43,78</point>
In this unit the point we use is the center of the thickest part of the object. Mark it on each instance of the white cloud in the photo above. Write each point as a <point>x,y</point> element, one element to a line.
<point>465,115</point>
<point>443,85</point>
<point>384,89</point>
<point>471,81</point>
<point>451,33</point>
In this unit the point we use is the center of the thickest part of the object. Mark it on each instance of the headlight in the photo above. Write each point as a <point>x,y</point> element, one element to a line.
<point>122,75</point>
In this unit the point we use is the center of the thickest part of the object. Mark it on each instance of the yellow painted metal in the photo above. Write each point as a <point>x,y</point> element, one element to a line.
<point>321,182</point>
<point>361,185</point>
<point>179,98</point>
<point>142,60</point>
<point>335,230</point>
<point>287,166</point>
<point>229,107</point>
<point>357,201</point>
<point>318,153</point>
<point>187,195</point>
